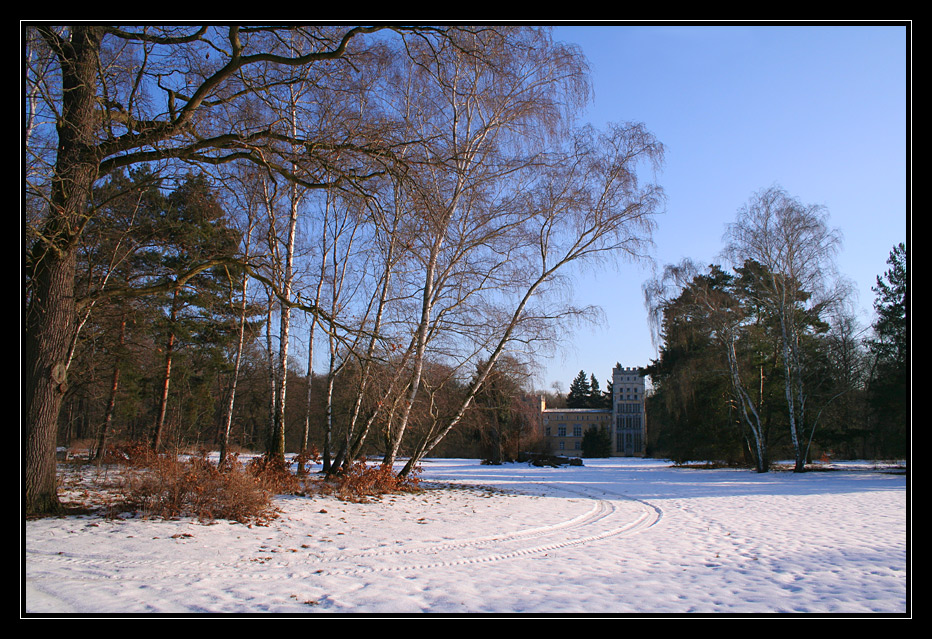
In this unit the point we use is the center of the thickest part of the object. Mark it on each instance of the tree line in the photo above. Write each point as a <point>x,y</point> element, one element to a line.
<point>764,359</point>
<point>405,204</point>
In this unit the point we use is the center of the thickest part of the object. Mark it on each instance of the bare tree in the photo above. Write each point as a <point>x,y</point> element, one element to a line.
<point>588,206</point>
<point>308,405</point>
<point>343,227</point>
<point>483,106</point>
<point>103,433</point>
<point>375,347</point>
<point>796,247</point>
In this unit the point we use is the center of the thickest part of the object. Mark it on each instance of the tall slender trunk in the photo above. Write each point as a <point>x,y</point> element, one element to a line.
<point>310,344</point>
<point>328,428</point>
<point>284,308</point>
<point>427,301</point>
<point>273,444</point>
<point>749,413</point>
<point>305,438</point>
<point>111,402</point>
<point>791,373</point>
<point>432,439</point>
<point>355,438</point>
<point>228,416</point>
<point>284,335</point>
<point>334,368</point>
<point>310,388</point>
<point>159,431</point>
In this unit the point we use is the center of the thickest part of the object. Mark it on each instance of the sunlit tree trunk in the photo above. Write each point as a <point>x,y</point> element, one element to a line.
<point>111,401</point>
<point>159,430</point>
<point>238,358</point>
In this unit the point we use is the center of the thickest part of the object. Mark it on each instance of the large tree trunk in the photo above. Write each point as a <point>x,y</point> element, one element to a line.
<point>47,336</point>
<point>49,321</point>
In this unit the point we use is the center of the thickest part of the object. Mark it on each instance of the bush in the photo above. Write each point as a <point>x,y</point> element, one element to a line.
<point>172,486</point>
<point>362,481</point>
<point>135,454</point>
<point>274,474</point>
<point>169,488</point>
<point>311,455</point>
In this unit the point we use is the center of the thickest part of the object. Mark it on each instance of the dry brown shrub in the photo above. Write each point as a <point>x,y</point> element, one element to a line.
<point>274,474</point>
<point>194,487</point>
<point>363,481</point>
<point>304,457</point>
<point>134,454</point>
<point>171,486</point>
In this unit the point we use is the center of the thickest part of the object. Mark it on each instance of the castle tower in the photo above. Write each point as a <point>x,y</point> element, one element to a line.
<point>629,418</point>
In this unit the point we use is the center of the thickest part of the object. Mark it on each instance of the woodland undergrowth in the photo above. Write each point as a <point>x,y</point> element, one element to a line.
<point>133,480</point>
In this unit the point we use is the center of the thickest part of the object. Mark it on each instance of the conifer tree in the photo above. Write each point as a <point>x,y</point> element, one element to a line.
<point>597,442</point>
<point>890,347</point>
<point>595,393</point>
<point>579,394</point>
<point>190,229</point>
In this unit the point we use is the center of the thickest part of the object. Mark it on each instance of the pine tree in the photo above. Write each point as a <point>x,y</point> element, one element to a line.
<point>890,327</point>
<point>595,393</point>
<point>188,231</point>
<point>597,442</point>
<point>579,394</point>
<point>890,347</point>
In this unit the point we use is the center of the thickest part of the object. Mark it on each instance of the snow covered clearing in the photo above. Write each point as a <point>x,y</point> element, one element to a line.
<point>613,537</point>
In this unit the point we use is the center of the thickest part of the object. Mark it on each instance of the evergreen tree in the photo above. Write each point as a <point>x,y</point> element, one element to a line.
<point>190,230</point>
<point>595,393</point>
<point>888,392</point>
<point>691,420</point>
<point>720,389</point>
<point>607,395</point>
<point>579,395</point>
<point>597,442</point>
<point>112,341</point>
<point>891,327</point>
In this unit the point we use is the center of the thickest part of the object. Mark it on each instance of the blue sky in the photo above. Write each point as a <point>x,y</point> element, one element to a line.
<point>820,111</point>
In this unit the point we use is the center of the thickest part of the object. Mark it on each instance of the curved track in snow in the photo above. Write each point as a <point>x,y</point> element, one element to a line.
<point>576,517</point>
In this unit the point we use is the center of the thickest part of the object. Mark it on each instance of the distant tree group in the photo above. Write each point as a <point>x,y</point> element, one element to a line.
<point>764,359</point>
<point>584,393</point>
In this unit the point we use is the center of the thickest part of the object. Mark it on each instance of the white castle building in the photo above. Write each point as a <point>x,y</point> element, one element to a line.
<point>626,419</point>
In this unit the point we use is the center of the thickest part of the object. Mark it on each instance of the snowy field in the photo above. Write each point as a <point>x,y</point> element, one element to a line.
<point>614,537</point>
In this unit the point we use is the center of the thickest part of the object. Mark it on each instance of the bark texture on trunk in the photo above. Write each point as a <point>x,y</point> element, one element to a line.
<point>50,313</point>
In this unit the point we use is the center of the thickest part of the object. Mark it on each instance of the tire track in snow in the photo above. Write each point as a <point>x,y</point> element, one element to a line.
<point>606,518</point>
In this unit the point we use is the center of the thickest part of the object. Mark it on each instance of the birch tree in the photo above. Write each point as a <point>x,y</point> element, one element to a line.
<point>482,105</point>
<point>589,206</point>
<point>796,247</point>
<point>243,192</point>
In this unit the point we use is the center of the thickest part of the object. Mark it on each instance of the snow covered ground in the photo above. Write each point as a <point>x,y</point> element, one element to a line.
<point>619,536</point>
